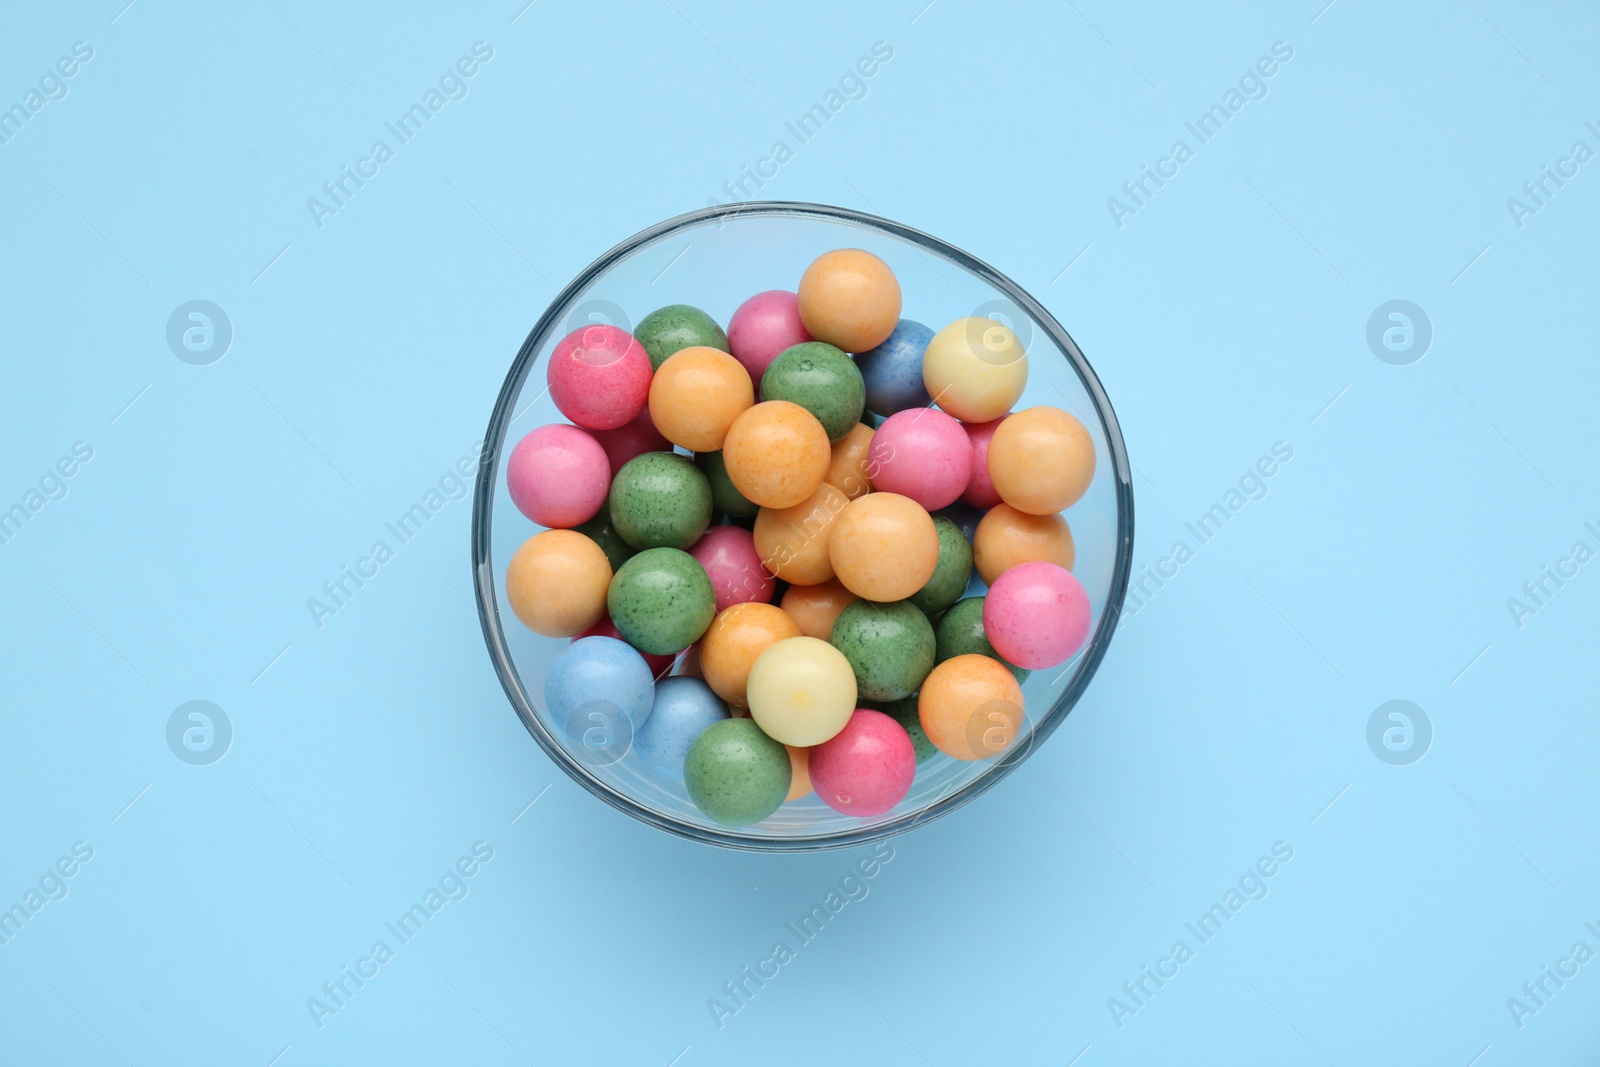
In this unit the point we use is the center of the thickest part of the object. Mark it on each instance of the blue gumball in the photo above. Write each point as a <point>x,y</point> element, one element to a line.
<point>599,692</point>
<point>893,370</point>
<point>684,707</point>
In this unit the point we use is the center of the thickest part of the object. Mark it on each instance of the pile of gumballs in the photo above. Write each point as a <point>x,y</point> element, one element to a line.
<point>768,594</point>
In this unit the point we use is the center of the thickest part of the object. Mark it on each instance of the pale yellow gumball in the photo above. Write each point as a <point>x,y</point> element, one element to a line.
<point>975,369</point>
<point>801,691</point>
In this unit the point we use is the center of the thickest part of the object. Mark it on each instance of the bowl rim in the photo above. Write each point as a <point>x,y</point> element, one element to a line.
<point>489,467</point>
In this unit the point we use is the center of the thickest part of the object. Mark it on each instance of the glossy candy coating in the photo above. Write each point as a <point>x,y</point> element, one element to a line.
<point>673,328</point>
<point>814,608</point>
<point>1037,615</point>
<point>736,774</point>
<point>890,647</point>
<point>695,396</point>
<point>884,547</point>
<point>801,691</point>
<point>951,574</point>
<point>728,553</point>
<point>558,476</point>
<point>975,369</point>
<point>659,665</point>
<point>1041,460</point>
<point>850,299</point>
<point>660,500</point>
<point>1007,537</point>
<point>866,768</point>
<point>892,372</point>
<point>661,601</point>
<point>776,454</point>
<point>821,379</point>
<point>599,376</point>
<point>793,542</point>
<point>735,640</point>
<point>764,326</point>
<point>959,632</point>
<point>599,669</point>
<point>724,496</point>
<point>684,708</point>
<point>556,583</point>
<point>980,491</point>
<point>632,438</point>
<point>971,707</point>
<point>850,470</point>
<point>923,454</point>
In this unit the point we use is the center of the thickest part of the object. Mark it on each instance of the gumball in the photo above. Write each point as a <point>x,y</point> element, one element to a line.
<point>684,708</point>
<point>889,646</point>
<point>960,633</point>
<point>599,376</point>
<point>659,665</point>
<point>1041,460</point>
<point>764,326</point>
<point>821,379</point>
<point>1036,615</point>
<point>893,371</point>
<point>849,470</point>
<point>695,396</point>
<point>632,438</point>
<point>904,712</point>
<point>724,497</point>
<point>975,369</point>
<point>801,691</point>
<point>735,773</point>
<point>815,607</point>
<point>661,601</point>
<point>675,327</point>
<point>556,583</point>
<point>1007,537</point>
<point>728,553</point>
<point>866,768</point>
<point>850,299</point>
<point>558,476</point>
<point>971,707</point>
<point>980,491</point>
<point>776,454</point>
<point>799,772</point>
<point>793,542</point>
<point>923,454</point>
<point>951,574</point>
<point>604,675</point>
<point>884,547</point>
<point>736,639</point>
<point>600,530</point>
<point>660,500</point>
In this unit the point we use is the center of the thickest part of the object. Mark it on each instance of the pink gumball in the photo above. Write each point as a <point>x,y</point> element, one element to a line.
<point>980,490</point>
<point>632,439</point>
<point>921,453</point>
<point>558,476</point>
<point>728,553</point>
<point>866,768</point>
<point>599,376</point>
<point>659,665</point>
<point>1036,615</point>
<point>764,326</point>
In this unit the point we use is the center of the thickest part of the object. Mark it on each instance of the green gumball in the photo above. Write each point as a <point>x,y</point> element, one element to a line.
<point>675,327</point>
<point>736,774</point>
<point>821,379</point>
<point>660,500</point>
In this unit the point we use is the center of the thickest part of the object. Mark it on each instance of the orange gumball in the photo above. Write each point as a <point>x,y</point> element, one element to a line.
<point>776,453</point>
<point>884,547</point>
<point>971,707</point>
<point>850,299</point>
<point>737,637</point>
<point>815,607</point>
<point>793,542</point>
<point>799,772</point>
<point>556,583</point>
<point>1007,537</point>
<point>848,469</point>
<point>1041,460</point>
<point>697,394</point>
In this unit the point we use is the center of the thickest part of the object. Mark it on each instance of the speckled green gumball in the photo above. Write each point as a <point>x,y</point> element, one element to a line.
<point>678,326</point>
<point>600,530</point>
<point>890,647</point>
<point>960,633</point>
<point>904,712</point>
<point>951,574</point>
<point>724,496</point>
<point>821,379</point>
<point>735,773</point>
<point>661,601</point>
<point>660,500</point>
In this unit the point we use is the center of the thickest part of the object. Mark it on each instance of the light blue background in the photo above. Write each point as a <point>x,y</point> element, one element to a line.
<point>1223,317</point>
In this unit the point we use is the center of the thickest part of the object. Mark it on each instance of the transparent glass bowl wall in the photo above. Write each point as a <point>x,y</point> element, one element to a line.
<point>715,259</point>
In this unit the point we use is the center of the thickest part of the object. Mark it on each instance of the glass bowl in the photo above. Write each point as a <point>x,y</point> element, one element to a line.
<point>714,259</point>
